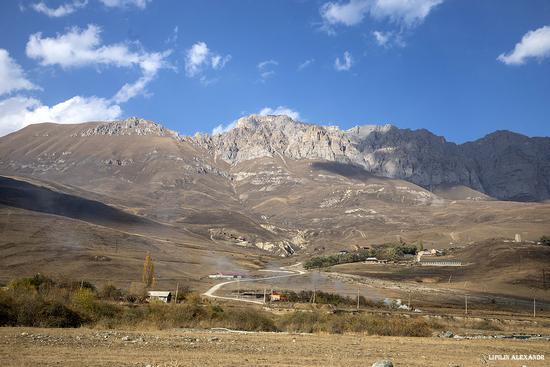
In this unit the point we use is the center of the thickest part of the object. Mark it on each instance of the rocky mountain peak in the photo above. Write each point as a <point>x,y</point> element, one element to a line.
<point>270,121</point>
<point>129,126</point>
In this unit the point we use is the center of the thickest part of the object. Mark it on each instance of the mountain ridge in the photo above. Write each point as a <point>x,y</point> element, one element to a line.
<point>418,156</point>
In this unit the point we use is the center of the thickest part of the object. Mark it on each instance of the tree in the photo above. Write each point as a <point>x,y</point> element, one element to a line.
<point>148,277</point>
<point>545,240</point>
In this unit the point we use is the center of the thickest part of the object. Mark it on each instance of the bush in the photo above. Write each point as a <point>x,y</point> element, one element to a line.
<point>545,240</point>
<point>110,292</point>
<point>57,315</point>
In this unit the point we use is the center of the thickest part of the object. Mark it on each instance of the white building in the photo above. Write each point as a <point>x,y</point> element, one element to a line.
<point>163,296</point>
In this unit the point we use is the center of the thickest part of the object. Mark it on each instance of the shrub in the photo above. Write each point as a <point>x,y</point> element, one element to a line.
<point>57,315</point>
<point>111,292</point>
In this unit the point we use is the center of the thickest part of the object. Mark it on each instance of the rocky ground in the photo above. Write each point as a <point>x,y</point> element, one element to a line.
<point>86,347</point>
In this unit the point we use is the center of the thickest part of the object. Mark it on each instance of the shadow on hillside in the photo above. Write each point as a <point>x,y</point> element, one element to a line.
<point>24,195</point>
<point>343,169</point>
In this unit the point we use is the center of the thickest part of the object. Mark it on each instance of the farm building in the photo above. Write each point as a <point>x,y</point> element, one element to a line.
<point>277,297</point>
<point>163,296</point>
<point>374,260</point>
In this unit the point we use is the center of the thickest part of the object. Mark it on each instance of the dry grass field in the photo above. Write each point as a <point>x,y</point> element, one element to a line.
<point>172,348</point>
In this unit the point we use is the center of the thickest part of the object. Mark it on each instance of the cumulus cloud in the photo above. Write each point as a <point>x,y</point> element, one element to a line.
<point>407,13</point>
<point>141,4</point>
<point>18,112</point>
<point>404,12</point>
<point>266,69</point>
<point>199,58</point>
<point>350,13</point>
<point>345,63</point>
<point>280,110</point>
<point>534,44</point>
<point>83,47</point>
<point>12,76</point>
<point>61,11</point>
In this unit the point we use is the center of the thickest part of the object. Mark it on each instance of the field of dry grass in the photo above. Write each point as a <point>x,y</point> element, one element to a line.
<point>87,347</point>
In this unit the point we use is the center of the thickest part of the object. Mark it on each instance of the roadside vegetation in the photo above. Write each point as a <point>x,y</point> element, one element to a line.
<point>545,240</point>
<point>392,252</point>
<point>40,301</point>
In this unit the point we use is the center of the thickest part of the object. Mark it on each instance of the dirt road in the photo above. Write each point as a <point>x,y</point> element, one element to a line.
<point>174,348</point>
<point>290,271</point>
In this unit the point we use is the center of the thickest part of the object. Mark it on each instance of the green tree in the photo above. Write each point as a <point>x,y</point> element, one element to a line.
<point>545,240</point>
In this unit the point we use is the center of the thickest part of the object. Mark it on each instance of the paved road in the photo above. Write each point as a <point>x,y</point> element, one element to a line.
<point>290,271</point>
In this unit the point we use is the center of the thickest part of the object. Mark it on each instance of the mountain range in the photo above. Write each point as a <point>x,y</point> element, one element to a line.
<point>271,185</point>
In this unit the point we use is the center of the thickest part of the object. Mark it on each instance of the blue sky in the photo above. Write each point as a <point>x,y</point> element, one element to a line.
<point>460,68</point>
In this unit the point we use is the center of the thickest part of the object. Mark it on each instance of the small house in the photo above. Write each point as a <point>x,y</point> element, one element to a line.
<point>277,297</point>
<point>163,296</point>
<point>371,260</point>
<point>343,252</point>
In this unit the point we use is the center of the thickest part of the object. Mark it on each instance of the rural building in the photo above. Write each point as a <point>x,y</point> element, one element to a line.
<point>441,263</point>
<point>343,252</point>
<point>432,252</point>
<point>221,275</point>
<point>374,260</point>
<point>277,297</point>
<point>163,296</point>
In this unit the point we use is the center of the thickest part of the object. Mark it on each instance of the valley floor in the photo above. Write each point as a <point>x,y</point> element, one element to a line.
<point>172,348</point>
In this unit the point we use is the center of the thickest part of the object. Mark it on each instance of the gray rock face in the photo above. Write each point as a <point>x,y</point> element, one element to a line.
<point>130,126</point>
<point>504,165</point>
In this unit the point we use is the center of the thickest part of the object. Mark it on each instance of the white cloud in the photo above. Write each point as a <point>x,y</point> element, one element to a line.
<point>83,47</point>
<point>349,14</point>
<point>382,38</point>
<point>305,64</point>
<point>534,44</point>
<point>266,69</point>
<point>388,39</point>
<point>199,57</point>
<point>18,112</point>
<point>220,129</point>
<point>281,110</point>
<point>62,10</point>
<point>404,12</point>
<point>12,76</point>
<point>141,4</point>
<point>344,64</point>
<point>408,13</point>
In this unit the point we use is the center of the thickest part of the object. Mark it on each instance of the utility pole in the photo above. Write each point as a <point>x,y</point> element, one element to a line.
<point>409,304</point>
<point>357,299</point>
<point>466,304</point>
<point>264,295</point>
<point>177,290</point>
<point>534,307</point>
<point>313,295</point>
